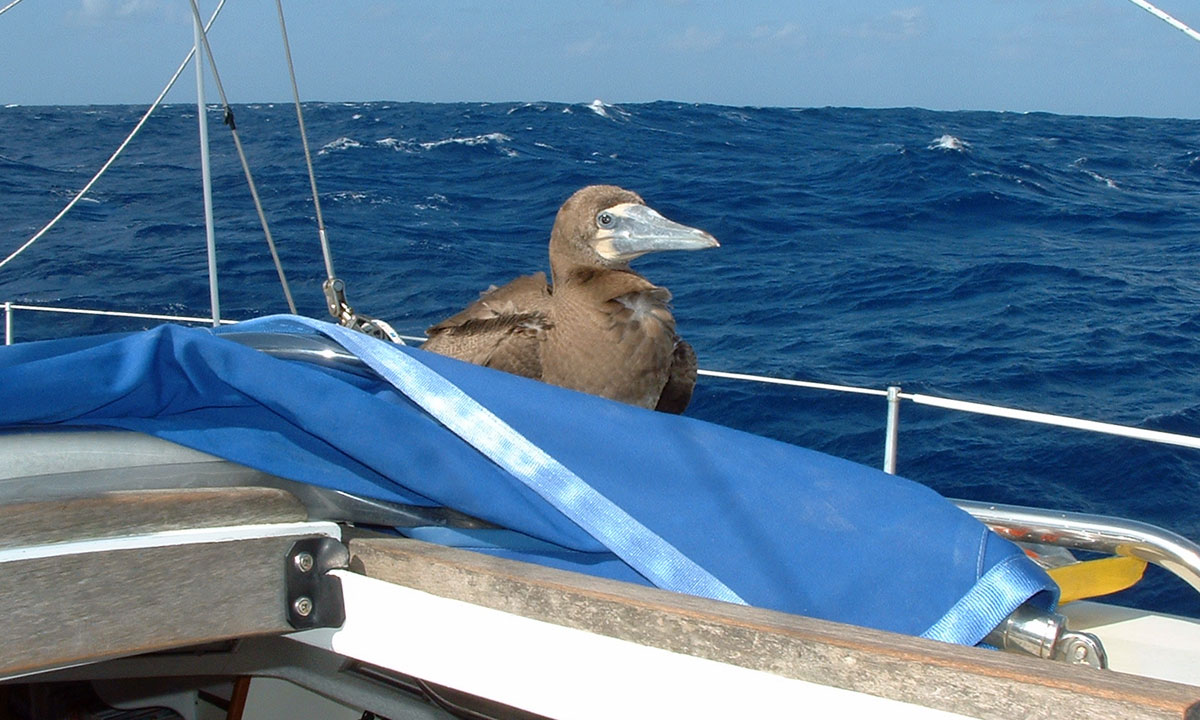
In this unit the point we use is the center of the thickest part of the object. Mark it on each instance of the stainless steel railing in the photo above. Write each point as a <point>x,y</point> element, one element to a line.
<point>893,395</point>
<point>1097,533</point>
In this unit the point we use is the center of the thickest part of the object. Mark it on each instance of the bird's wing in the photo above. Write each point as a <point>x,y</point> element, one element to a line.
<point>502,329</point>
<point>614,336</point>
<point>643,307</point>
<point>681,380</point>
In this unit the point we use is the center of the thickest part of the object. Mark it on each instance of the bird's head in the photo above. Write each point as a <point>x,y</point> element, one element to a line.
<point>606,226</point>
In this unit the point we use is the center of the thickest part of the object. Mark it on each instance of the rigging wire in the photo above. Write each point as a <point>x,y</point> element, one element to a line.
<point>1178,25</point>
<point>9,6</point>
<point>312,177</point>
<point>262,218</point>
<point>334,288</point>
<point>120,149</point>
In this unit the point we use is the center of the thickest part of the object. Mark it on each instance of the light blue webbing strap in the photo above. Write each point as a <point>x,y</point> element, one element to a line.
<point>647,553</point>
<point>992,598</point>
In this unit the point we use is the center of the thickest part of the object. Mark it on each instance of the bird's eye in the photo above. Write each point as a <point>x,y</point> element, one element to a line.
<point>604,219</point>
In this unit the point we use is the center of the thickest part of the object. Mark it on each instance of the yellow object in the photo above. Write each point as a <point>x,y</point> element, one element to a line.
<point>1092,578</point>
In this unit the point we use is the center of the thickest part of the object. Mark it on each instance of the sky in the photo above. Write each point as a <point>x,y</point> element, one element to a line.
<point>1087,57</point>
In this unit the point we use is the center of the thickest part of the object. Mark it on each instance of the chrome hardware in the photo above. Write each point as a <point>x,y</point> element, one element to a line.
<point>1044,634</point>
<point>339,308</point>
<point>303,606</point>
<point>1097,533</point>
<point>1080,648</point>
<point>304,561</point>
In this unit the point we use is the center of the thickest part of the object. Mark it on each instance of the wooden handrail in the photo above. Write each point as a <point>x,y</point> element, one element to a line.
<point>125,573</point>
<point>971,681</point>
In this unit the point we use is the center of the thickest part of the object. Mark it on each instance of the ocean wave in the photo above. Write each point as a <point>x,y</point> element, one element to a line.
<point>1100,178</point>
<point>604,110</point>
<point>342,143</point>
<point>359,197</point>
<point>497,139</point>
<point>537,107</point>
<point>436,201</point>
<point>949,142</point>
<point>396,144</point>
<point>1108,182</point>
<point>1193,163</point>
<point>1011,178</point>
<point>597,106</point>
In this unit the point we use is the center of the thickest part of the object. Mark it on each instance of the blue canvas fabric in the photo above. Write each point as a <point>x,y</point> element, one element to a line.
<point>784,527</point>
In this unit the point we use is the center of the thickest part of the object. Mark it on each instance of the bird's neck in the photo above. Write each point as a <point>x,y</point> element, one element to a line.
<point>581,274</point>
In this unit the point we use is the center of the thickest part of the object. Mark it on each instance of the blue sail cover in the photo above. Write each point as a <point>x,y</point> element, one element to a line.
<point>783,527</point>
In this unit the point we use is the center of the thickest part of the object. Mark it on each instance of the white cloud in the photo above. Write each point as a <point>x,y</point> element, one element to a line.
<point>898,24</point>
<point>787,31</point>
<point>908,22</point>
<point>695,39</point>
<point>92,11</point>
<point>594,45</point>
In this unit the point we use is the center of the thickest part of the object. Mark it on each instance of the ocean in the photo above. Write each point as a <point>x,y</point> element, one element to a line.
<point>1035,261</point>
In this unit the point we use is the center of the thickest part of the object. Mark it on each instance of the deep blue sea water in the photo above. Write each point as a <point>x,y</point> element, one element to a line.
<point>1037,261</point>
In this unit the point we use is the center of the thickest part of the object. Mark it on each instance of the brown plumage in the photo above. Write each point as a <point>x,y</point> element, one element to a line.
<point>600,327</point>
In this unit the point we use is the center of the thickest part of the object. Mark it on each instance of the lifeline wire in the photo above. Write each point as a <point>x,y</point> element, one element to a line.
<point>120,149</point>
<point>312,177</point>
<point>262,218</point>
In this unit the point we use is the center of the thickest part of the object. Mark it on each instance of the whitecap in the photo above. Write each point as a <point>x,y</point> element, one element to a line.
<point>349,195</point>
<point>597,106</point>
<point>1100,178</point>
<point>342,143</point>
<point>949,142</point>
<point>356,116</point>
<point>435,201</point>
<point>358,197</point>
<point>604,110</point>
<point>490,138</point>
<point>540,107</point>
<point>395,144</point>
<point>1079,165</point>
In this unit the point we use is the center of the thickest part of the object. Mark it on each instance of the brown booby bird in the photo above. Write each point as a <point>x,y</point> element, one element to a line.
<point>599,327</point>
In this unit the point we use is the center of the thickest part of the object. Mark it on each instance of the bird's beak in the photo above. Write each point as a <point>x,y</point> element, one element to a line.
<point>636,230</point>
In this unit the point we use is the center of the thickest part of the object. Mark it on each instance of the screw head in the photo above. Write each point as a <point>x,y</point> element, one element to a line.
<point>303,606</point>
<point>304,562</point>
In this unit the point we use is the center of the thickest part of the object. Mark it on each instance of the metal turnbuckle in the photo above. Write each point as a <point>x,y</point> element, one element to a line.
<point>1041,633</point>
<point>339,308</point>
